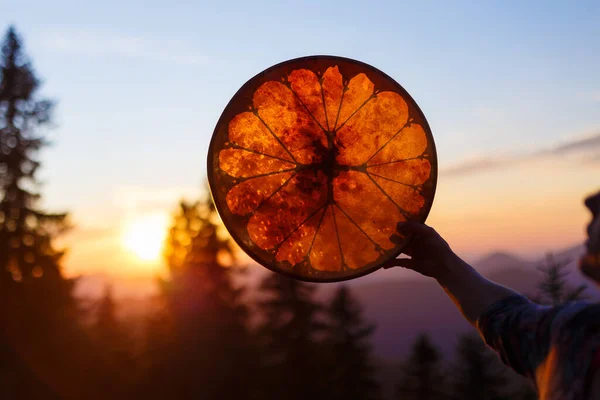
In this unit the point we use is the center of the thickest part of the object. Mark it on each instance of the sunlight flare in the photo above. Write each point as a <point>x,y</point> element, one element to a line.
<point>144,236</point>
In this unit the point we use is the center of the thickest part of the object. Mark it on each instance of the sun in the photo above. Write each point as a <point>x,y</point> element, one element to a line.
<point>144,237</point>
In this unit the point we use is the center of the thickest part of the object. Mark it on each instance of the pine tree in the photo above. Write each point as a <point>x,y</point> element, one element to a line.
<point>293,360</point>
<point>554,289</point>
<point>352,374</point>
<point>41,338</point>
<point>28,259</point>
<point>478,374</point>
<point>200,346</point>
<point>422,374</point>
<point>116,348</point>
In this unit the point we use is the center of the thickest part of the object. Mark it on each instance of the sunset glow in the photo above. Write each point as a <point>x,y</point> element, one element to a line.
<point>144,237</point>
<point>512,176</point>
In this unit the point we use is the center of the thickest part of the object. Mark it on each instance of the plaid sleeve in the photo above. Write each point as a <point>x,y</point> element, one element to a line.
<point>519,331</point>
<point>523,333</point>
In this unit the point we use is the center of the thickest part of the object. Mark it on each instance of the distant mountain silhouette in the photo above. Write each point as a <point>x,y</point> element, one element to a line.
<point>500,261</point>
<point>402,308</point>
<point>400,302</point>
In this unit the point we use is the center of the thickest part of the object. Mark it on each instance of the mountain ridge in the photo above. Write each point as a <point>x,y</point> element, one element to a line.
<point>402,305</point>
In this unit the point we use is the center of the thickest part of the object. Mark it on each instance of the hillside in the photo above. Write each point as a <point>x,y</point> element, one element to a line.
<point>402,308</point>
<point>401,303</point>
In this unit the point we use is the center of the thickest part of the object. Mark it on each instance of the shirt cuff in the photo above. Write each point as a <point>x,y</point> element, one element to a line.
<point>499,307</point>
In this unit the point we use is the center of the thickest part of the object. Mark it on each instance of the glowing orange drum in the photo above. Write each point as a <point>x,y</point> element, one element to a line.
<point>313,163</point>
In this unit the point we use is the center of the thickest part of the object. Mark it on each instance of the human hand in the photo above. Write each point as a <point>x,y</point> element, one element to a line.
<point>430,253</point>
<point>432,256</point>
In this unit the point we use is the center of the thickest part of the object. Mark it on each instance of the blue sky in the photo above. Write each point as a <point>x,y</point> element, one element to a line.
<point>141,84</point>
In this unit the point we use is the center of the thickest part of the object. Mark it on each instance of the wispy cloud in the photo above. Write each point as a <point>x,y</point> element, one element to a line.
<point>96,44</point>
<point>584,148</point>
<point>476,165</point>
<point>586,144</point>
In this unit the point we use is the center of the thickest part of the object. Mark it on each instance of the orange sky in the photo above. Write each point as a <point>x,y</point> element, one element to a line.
<point>511,91</point>
<point>528,207</point>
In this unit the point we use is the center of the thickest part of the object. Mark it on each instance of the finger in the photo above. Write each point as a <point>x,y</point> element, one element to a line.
<point>409,247</point>
<point>399,239</point>
<point>405,241</point>
<point>401,262</point>
<point>412,227</point>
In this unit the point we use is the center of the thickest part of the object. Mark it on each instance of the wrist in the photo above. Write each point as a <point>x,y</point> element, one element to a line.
<point>453,271</point>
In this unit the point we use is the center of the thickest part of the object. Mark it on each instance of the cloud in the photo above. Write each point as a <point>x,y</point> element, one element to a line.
<point>583,144</point>
<point>95,44</point>
<point>585,148</point>
<point>475,165</point>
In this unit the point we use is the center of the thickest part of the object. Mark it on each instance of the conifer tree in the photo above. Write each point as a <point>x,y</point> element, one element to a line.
<point>554,289</point>
<point>200,346</point>
<point>29,261</point>
<point>351,371</point>
<point>116,348</point>
<point>478,373</point>
<point>292,353</point>
<point>422,374</point>
<point>44,350</point>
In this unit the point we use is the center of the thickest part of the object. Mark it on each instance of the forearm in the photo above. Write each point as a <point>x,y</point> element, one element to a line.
<point>432,256</point>
<point>471,292</point>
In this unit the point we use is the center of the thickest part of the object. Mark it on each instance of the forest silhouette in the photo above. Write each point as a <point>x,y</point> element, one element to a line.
<point>205,338</point>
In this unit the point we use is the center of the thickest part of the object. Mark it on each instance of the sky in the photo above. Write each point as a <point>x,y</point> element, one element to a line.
<point>511,91</point>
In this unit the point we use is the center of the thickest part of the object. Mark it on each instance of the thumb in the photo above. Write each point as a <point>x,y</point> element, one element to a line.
<point>400,262</point>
